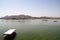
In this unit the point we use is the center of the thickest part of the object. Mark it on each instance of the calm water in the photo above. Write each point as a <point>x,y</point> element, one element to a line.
<point>32,29</point>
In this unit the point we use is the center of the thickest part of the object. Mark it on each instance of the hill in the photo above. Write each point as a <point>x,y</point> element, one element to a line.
<point>26,17</point>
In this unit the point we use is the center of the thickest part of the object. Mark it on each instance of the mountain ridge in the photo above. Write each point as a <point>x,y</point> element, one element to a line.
<point>27,17</point>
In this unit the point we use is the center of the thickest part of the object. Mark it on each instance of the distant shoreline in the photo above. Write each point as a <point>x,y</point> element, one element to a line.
<point>18,17</point>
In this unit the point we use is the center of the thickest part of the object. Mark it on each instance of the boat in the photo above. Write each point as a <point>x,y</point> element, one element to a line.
<point>54,21</point>
<point>45,20</point>
<point>9,34</point>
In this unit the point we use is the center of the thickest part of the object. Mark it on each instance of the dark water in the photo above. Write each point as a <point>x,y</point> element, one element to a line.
<point>32,29</point>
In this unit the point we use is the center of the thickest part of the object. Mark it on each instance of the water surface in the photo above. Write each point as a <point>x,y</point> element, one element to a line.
<point>36,29</point>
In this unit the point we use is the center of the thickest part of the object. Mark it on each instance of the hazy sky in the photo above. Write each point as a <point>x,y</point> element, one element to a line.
<point>30,7</point>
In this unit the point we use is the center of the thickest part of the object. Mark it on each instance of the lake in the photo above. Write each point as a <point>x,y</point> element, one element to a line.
<point>32,29</point>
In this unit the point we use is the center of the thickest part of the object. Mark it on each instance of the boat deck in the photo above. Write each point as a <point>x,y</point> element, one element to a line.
<point>9,32</point>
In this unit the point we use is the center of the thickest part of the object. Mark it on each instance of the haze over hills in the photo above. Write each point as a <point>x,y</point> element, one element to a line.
<point>27,17</point>
<point>37,8</point>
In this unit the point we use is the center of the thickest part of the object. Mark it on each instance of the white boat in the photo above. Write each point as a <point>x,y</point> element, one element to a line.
<point>10,33</point>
